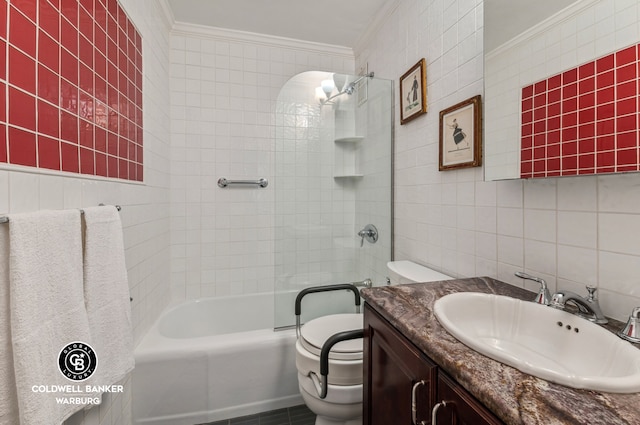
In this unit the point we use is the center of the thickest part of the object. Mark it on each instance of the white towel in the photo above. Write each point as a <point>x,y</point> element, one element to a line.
<point>47,307</point>
<point>8,395</point>
<point>106,292</point>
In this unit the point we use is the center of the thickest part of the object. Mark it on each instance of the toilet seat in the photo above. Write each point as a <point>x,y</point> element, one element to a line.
<point>316,332</point>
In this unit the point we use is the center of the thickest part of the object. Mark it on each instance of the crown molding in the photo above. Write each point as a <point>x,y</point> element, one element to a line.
<point>203,31</point>
<point>378,21</point>
<point>167,12</point>
<point>543,26</point>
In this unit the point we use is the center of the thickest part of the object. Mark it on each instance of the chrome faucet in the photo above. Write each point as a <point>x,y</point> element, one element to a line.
<point>588,308</point>
<point>543,296</point>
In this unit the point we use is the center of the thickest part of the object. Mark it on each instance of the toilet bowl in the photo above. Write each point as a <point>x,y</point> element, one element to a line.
<point>342,401</point>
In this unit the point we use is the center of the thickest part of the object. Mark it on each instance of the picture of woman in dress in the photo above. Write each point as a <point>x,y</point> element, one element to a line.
<point>458,134</point>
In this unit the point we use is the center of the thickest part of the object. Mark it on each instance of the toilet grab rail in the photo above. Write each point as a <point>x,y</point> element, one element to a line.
<point>324,358</point>
<point>324,288</point>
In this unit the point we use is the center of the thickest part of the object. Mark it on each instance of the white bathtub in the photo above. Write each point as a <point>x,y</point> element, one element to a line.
<point>213,359</point>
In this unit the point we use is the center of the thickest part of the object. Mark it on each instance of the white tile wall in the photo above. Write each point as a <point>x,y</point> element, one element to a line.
<point>224,87</point>
<point>570,231</point>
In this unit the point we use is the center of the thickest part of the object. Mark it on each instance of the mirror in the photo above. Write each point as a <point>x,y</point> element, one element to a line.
<point>529,42</point>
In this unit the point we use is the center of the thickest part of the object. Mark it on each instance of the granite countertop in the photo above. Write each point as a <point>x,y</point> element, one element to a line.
<point>513,396</point>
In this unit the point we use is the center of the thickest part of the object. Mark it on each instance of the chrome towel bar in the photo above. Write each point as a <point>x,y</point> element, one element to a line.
<point>5,219</point>
<point>222,182</point>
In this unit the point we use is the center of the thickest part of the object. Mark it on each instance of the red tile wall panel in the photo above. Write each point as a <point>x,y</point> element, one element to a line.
<point>584,120</point>
<point>71,87</point>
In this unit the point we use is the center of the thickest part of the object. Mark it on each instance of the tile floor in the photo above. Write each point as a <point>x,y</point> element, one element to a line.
<point>297,415</point>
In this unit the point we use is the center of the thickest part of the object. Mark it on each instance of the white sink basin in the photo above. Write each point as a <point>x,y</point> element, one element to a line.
<point>541,341</point>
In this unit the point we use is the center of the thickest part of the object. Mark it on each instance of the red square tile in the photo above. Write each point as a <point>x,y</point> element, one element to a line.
<point>570,105</point>
<point>101,164</point>
<point>86,78</point>
<point>554,109</point>
<point>626,56</point>
<point>539,128</point>
<point>527,117</point>
<point>70,157</point>
<point>122,59</point>
<point>3,21</point>
<point>100,135</point>
<point>100,65</point>
<point>122,85</point>
<point>526,142</point>
<point>553,151</point>
<point>3,60</point>
<point>69,10</point>
<point>112,122</point>
<point>112,28</point>
<point>627,157</point>
<point>626,123</point>
<point>587,85</point>
<point>138,40</point>
<point>527,92</point>
<point>605,63</point>
<point>48,119</point>
<point>85,24</point>
<point>540,87</point>
<point>627,106</point>
<point>587,100</point>
<point>626,73</point>
<point>570,90</point>
<point>605,159</point>
<point>626,168</point>
<point>48,52</point>
<point>22,147</point>
<point>526,168</point>
<point>86,107</point>
<point>586,116</point>
<point>586,131</point>
<point>3,105</point>
<point>138,116</point>
<point>88,6</point>
<point>123,169</point>
<point>553,137</point>
<point>139,153</point>
<point>625,90</point>
<point>69,128</point>
<point>539,153</point>
<point>48,153</point>
<point>586,70</point>
<point>87,161</point>
<point>569,134</point>
<point>85,52</point>
<point>586,145</point>
<point>569,119</point>
<point>112,74</point>
<point>606,79</point>
<point>49,19</point>
<point>605,143</point>
<point>552,164</point>
<point>69,36</point>
<point>569,163</point>
<point>554,82</point>
<point>527,104</point>
<point>69,66</point>
<point>22,32</point>
<point>539,100</point>
<point>22,70</point>
<point>22,109</point>
<point>539,114</point>
<point>553,123</point>
<point>3,141</point>
<point>123,148</point>
<point>606,95</point>
<point>570,76</point>
<point>100,40</point>
<point>626,140</point>
<point>86,134</point>
<point>569,148</point>
<point>100,15</point>
<point>112,166</point>
<point>132,171</point>
<point>112,144</point>
<point>48,85</point>
<point>100,114</point>
<point>68,96</point>
<point>554,95</point>
<point>27,7</point>
<point>605,111</point>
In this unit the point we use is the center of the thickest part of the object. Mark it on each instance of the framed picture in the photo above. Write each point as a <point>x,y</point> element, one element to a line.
<point>461,135</point>
<point>413,92</point>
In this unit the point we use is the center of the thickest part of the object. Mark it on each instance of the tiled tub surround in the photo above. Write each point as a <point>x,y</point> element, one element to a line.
<point>71,84</point>
<point>583,120</point>
<point>515,397</point>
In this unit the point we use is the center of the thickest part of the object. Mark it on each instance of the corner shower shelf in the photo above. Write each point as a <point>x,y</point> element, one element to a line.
<point>349,176</point>
<point>353,139</point>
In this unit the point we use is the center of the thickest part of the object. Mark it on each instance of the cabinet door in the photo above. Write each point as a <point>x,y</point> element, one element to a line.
<point>459,407</point>
<point>395,374</point>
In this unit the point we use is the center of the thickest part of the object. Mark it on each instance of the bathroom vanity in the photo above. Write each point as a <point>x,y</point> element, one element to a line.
<point>409,357</point>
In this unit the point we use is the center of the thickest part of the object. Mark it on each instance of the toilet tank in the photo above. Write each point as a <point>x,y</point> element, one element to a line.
<point>409,272</point>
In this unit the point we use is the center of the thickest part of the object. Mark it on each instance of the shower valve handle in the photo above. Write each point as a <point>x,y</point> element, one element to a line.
<point>370,233</point>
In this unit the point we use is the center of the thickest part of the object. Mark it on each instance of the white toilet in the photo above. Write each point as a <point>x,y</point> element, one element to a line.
<point>342,404</point>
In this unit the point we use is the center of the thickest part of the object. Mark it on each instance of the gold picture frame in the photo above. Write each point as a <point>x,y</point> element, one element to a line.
<point>413,92</point>
<point>461,135</point>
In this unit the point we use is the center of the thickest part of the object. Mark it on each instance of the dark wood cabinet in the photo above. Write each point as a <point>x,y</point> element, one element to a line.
<point>402,385</point>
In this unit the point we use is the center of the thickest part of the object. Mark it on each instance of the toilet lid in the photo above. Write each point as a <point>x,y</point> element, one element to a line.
<point>315,332</point>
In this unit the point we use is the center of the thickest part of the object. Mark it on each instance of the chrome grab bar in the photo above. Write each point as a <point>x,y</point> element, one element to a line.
<point>222,182</point>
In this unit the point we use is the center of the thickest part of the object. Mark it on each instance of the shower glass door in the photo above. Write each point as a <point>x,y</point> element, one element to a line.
<point>332,177</point>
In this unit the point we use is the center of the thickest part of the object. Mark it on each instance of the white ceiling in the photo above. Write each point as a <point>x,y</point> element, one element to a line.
<point>336,22</point>
<point>504,19</point>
